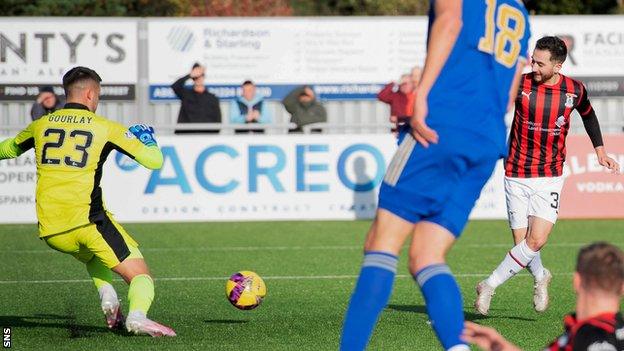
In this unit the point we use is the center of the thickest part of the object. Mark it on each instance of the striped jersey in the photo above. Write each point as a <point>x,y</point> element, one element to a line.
<point>540,125</point>
<point>601,332</point>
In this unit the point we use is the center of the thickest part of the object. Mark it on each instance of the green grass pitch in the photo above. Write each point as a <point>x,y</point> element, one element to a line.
<point>309,267</point>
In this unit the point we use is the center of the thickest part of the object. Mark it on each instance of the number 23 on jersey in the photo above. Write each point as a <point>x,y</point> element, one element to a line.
<point>77,142</point>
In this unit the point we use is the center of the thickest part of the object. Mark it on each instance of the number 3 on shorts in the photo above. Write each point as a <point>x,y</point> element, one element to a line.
<point>555,203</point>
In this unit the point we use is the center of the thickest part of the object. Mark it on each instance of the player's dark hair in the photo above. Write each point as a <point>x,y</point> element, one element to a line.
<point>248,82</point>
<point>79,74</point>
<point>601,266</point>
<point>557,48</point>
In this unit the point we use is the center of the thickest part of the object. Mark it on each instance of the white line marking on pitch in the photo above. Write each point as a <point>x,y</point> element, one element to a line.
<point>284,248</point>
<point>285,277</point>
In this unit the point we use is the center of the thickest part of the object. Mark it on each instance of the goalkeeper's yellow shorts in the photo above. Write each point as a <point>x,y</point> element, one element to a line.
<point>106,239</point>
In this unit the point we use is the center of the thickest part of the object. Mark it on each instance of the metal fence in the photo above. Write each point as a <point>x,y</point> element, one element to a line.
<point>348,117</point>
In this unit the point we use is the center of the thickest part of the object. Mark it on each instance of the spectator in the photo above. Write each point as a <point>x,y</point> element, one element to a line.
<point>401,99</point>
<point>304,108</point>
<point>197,104</point>
<point>47,102</point>
<point>249,108</point>
<point>597,323</point>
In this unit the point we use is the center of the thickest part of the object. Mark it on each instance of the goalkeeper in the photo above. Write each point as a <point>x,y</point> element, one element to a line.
<point>71,146</point>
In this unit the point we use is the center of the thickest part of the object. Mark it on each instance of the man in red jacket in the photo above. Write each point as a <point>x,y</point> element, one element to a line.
<point>401,98</point>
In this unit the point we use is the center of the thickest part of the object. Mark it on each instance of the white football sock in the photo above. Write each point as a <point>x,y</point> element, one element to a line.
<point>536,268</point>
<point>107,293</point>
<point>515,260</point>
<point>139,315</point>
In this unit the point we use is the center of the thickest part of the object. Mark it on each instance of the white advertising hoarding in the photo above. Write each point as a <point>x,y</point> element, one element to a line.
<point>348,58</point>
<point>595,43</point>
<point>341,57</point>
<point>240,178</point>
<point>38,51</point>
<point>595,49</point>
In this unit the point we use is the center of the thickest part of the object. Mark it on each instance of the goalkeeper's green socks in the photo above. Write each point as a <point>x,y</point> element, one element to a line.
<point>102,278</point>
<point>141,293</point>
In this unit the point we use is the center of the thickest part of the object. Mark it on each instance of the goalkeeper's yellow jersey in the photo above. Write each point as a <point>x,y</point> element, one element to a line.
<point>71,146</point>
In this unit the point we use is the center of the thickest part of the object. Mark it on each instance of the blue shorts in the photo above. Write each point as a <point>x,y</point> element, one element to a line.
<point>441,183</point>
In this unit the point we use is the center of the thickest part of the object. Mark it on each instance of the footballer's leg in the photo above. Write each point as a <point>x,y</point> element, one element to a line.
<point>539,231</point>
<point>393,223</point>
<point>519,234</point>
<point>140,296</point>
<point>102,278</point>
<point>536,266</point>
<point>442,295</point>
<point>517,196</point>
<point>134,270</point>
<point>541,275</point>
<point>101,275</point>
<point>515,260</point>
<point>118,251</point>
<point>543,212</point>
<point>374,285</point>
<point>433,238</point>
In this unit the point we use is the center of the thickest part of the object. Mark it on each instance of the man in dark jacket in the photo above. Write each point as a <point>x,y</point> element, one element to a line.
<point>47,102</point>
<point>304,109</point>
<point>197,104</point>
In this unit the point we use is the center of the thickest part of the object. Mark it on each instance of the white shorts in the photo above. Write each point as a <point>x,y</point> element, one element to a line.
<point>539,197</point>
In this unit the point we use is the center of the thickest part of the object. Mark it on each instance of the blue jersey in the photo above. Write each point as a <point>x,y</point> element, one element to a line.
<point>472,90</point>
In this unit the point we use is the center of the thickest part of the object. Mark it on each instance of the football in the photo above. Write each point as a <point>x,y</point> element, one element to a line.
<point>245,290</point>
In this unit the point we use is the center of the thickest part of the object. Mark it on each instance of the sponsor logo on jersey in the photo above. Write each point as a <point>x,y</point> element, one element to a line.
<point>570,100</point>
<point>527,94</point>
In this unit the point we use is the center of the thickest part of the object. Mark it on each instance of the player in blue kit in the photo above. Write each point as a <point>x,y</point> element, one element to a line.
<point>475,53</point>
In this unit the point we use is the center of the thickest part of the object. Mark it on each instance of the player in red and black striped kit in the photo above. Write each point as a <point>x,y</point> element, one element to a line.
<point>534,165</point>
<point>599,330</point>
<point>541,124</point>
<point>596,324</point>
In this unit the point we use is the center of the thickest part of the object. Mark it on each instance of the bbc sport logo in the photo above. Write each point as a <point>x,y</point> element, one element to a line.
<point>125,163</point>
<point>180,39</point>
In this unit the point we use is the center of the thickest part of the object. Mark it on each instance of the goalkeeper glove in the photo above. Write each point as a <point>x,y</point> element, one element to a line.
<point>144,133</point>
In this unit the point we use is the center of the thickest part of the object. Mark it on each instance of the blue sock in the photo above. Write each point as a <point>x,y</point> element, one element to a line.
<point>444,303</point>
<point>371,295</point>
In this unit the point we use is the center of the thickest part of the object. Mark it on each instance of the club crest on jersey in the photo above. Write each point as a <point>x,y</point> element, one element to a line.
<point>570,100</point>
<point>560,121</point>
